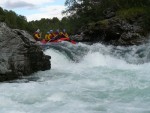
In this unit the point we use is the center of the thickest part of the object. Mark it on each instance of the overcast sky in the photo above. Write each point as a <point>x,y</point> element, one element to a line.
<point>35,9</point>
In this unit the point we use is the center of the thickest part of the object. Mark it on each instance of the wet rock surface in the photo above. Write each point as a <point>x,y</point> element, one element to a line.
<point>112,31</point>
<point>19,56</point>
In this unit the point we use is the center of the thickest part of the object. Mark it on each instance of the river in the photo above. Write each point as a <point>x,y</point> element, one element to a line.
<point>84,79</point>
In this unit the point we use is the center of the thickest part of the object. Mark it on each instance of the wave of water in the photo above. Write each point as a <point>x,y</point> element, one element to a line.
<point>84,79</point>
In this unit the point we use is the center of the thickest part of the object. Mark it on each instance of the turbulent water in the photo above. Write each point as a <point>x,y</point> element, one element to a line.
<point>84,79</point>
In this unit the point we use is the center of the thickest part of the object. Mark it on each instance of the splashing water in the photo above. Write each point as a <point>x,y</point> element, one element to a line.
<point>84,79</point>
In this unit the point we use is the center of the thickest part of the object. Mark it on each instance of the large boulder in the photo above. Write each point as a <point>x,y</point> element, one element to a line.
<point>19,56</point>
<point>112,31</point>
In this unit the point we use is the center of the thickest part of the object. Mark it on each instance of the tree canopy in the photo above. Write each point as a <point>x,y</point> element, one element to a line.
<point>14,20</point>
<point>88,11</point>
<point>81,12</point>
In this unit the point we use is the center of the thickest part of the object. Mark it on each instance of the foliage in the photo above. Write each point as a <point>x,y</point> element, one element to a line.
<point>18,21</point>
<point>131,13</point>
<point>103,23</point>
<point>82,12</point>
<point>12,19</point>
<point>146,20</point>
<point>89,11</point>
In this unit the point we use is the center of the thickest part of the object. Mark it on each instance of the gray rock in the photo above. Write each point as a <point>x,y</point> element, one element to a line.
<point>131,39</point>
<point>113,31</point>
<point>19,56</point>
<point>77,37</point>
<point>109,13</point>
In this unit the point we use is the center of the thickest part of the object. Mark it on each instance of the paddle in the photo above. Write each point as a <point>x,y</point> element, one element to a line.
<point>52,38</point>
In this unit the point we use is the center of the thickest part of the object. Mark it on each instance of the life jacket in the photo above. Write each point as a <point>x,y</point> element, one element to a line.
<point>37,36</point>
<point>64,35</point>
<point>52,35</point>
<point>47,37</point>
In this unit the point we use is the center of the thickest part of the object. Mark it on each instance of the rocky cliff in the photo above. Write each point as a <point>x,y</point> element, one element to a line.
<point>114,30</point>
<point>19,56</point>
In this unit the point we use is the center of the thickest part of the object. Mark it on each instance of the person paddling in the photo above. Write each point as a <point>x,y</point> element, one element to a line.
<point>64,34</point>
<point>37,35</point>
<point>51,35</point>
<point>57,32</point>
<point>56,35</point>
<point>47,36</point>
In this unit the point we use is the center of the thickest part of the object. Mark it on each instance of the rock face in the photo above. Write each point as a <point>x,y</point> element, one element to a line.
<point>19,56</point>
<point>112,31</point>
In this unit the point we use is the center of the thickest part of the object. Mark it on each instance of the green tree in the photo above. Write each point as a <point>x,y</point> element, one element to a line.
<point>11,19</point>
<point>87,11</point>
<point>2,15</point>
<point>21,22</point>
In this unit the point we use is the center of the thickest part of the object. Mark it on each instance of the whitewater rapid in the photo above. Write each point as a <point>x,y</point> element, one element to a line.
<point>84,79</point>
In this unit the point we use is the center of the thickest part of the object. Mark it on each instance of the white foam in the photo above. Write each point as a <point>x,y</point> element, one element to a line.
<point>58,60</point>
<point>56,97</point>
<point>100,82</point>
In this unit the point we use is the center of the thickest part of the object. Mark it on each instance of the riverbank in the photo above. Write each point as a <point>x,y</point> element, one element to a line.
<point>114,30</point>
